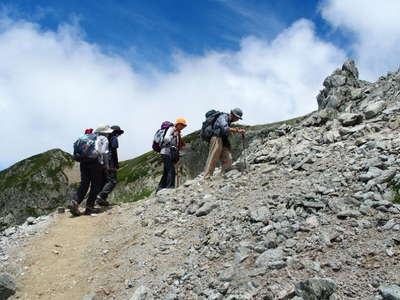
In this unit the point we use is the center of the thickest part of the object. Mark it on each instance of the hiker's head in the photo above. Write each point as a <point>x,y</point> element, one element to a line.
<point>89,131</point>
<point>180,124</point>
<point>236,114</point>
<point>103,129</point>
<point>117,130</point>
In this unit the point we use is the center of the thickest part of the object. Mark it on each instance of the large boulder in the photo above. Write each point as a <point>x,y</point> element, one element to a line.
<point>390,292</point>
<point>7,286</point>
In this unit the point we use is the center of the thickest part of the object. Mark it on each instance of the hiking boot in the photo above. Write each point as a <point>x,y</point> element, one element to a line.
<point>89,211</point>
<point>101,202</point>
<point>74,208</point>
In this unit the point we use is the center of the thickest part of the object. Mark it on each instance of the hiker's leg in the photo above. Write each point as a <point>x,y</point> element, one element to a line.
<point>96,181</point>
<point>226,159</point>
<point>85,182</point>
<point>171,174</point>
<point>111,181</point>
<point>214,155</point>
<point>163,181</point>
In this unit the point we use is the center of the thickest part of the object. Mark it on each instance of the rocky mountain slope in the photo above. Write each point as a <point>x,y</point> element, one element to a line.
<point>34,186</point>
<point>314,216</point>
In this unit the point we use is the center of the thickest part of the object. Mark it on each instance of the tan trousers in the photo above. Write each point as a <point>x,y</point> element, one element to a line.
<point>218,152</point>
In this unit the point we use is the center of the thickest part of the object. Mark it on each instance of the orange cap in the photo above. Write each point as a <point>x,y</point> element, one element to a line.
<point>181,121</point>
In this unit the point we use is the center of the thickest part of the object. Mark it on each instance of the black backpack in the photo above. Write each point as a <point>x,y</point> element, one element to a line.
<point>207,130</point>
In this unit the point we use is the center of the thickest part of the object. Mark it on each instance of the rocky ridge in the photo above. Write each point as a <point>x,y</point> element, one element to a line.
<point>315,203</point>
<point>314,215</point>
<point>312,218</point>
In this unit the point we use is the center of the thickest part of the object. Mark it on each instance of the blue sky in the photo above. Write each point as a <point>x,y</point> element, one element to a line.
<point>148,32</point>
<point>70,65</point>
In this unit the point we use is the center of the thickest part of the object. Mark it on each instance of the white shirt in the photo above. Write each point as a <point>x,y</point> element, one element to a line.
<point>169,141</point>
<point>101,146</point>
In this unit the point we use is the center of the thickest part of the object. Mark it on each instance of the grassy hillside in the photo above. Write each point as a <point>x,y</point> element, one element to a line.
<point>34,186</point>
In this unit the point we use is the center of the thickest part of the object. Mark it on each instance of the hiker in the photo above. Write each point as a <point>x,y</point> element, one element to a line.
<point>110,174</point>
<point>170,146</point>
<point>220,148</point>
<point>91,168</point>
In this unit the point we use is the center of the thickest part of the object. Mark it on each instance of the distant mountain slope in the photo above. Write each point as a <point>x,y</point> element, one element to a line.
<point>34,186</point>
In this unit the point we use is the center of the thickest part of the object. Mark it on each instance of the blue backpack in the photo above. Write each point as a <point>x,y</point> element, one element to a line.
<point>84,148</point>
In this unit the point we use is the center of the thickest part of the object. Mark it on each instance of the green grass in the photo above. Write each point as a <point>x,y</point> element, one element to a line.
<point>133,169</point>
<point>396,192</point>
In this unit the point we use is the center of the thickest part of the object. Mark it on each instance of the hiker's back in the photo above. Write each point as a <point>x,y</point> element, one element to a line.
<point>160,134</point>
<point>207,128</point>
<point>84,148</point>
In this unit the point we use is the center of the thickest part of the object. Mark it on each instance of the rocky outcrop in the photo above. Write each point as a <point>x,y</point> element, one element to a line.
<point>340,88</point>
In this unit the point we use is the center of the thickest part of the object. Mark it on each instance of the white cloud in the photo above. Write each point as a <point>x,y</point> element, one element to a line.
<point>375,29</point>
<point>53,85</point>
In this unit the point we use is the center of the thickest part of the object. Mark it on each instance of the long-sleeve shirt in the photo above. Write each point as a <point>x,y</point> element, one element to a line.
<point>113,139</point>
<point>102,149</point>
<point>169,141</point>
<point>221,125</point>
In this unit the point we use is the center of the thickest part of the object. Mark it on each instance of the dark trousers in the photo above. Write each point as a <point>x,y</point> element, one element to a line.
<point>91,175</point>
<point>110,181</point>
<point>168,177</point>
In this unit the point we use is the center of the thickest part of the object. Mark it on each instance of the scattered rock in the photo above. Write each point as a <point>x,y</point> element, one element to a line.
<point>140,293</point>
<point>206,209</point>
<point>373,109</point>
<point>390,292</point>
<point>316,289</point>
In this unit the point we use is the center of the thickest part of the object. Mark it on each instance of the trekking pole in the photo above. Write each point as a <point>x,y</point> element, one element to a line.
<point>177,173</point>
<point>244,152</point>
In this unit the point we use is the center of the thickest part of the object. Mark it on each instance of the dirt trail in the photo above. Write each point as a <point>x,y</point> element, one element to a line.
<point>57,264</point>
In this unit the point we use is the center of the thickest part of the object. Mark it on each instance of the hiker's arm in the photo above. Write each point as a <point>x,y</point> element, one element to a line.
<point>237,130</point>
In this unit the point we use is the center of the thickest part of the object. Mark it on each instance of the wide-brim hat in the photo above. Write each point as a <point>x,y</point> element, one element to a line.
<point>103,129</point>
<point>237,112</point>
<point>116,129</point>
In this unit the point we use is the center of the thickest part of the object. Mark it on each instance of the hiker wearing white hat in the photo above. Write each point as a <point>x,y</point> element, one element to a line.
<point>110,174</point>
<point>101,147</point>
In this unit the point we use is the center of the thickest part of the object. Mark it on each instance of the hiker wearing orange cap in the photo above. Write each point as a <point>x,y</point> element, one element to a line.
<point>170,146</point>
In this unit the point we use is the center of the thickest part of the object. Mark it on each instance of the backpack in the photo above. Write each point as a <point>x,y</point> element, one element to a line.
<point>207,130</point>
<point>84,148</point>
<point>160,135</point>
